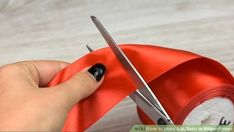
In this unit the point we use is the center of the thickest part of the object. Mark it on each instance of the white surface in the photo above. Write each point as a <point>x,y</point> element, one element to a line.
<point>211,111</point>
<point>59,29</point>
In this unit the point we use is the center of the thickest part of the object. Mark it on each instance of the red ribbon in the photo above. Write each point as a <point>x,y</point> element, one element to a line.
<point>181,80</point>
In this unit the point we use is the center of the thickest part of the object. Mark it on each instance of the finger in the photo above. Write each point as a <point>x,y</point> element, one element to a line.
<point>41,71</point>
<point>80,85</point>
<point>47,70</point>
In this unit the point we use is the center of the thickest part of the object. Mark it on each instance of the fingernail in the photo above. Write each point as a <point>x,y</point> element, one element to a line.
<point>97,71</point>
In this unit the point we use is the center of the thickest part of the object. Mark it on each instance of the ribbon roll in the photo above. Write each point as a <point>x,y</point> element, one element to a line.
<point>181,81</point>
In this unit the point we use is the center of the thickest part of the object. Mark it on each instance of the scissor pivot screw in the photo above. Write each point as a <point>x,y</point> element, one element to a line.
<point>161,122</point>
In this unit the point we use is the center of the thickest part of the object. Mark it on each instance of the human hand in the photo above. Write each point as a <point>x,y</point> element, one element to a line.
<point>27,104</point>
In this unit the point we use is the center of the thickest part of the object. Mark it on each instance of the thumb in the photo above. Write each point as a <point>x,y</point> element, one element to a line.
<point>81,85</point>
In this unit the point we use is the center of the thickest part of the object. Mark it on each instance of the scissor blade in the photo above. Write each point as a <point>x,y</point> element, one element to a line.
<point>90,49</point>
<point>125,61</point>
<point>138,79</point>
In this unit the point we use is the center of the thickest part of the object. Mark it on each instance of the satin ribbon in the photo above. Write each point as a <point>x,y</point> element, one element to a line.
<point>181,80</point>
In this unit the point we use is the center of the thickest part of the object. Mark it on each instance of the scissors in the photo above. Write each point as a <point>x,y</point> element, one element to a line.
<point>143,96</point>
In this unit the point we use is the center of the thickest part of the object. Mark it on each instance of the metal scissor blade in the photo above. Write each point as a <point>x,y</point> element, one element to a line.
<point>90,49</point>
<point>125,61</point>
<point>144,88</point>
<point>155,115</point>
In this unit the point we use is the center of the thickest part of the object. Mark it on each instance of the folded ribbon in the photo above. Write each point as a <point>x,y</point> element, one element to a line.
<point>181,80</point>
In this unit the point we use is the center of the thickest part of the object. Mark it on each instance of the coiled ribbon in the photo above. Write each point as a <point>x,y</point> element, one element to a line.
<point>181,80</point>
